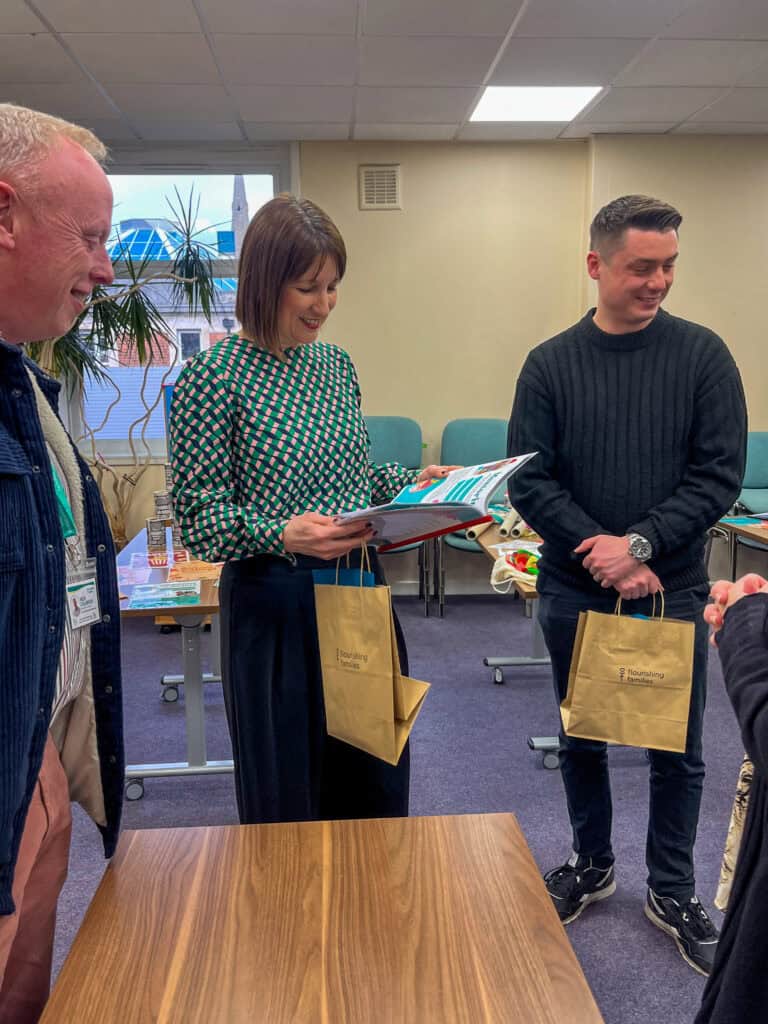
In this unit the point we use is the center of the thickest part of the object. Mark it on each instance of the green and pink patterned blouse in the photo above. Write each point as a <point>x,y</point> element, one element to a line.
<point>256,441</point>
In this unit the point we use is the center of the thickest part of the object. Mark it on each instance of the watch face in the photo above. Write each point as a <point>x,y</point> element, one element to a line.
<point>640,548</point>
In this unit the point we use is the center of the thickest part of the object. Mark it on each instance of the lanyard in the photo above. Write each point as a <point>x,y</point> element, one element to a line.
<point>66,518</point>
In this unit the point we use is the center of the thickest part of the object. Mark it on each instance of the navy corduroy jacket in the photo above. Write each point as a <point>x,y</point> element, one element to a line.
<point>32,611</point>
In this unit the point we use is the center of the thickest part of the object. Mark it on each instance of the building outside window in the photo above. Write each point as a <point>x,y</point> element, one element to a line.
<point>189,343</point>
<point>144,230</point>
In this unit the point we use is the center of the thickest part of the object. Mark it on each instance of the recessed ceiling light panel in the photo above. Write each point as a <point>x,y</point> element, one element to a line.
<point>533,103</point>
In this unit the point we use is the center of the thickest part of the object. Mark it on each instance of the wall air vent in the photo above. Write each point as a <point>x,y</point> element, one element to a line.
<point>379,186</point>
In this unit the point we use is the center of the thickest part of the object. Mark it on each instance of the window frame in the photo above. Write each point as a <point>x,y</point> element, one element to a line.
<point>281,161</point>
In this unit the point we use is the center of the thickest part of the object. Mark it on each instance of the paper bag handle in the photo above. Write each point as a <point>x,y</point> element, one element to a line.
<point>365,563</point>
<point>653,605</point>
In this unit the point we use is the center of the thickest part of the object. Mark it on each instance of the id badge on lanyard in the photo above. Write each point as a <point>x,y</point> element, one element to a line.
<point>82,593</point>
<point>81,590</point>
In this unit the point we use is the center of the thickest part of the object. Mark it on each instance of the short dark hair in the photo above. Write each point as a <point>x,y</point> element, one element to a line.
<point>635,211</point>
<point>284,239</point>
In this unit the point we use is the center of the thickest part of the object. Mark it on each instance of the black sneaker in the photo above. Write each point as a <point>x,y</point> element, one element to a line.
<point>577,884</point>
<point>689,925</point>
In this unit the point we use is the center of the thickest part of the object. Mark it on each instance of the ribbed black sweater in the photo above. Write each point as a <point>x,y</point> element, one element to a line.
<point>642,432</point>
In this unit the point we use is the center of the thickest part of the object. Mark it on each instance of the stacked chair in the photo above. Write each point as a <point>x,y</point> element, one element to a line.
<point>754,488</point>
<point>398,439</point>
<point>466,442</point>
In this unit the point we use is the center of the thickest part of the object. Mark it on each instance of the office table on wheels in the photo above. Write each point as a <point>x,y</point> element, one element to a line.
<point>526,589</point>
<point>438,920</point>
<point>133,559</point>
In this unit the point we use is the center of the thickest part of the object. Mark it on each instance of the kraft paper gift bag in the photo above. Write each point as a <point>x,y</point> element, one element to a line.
<point>630,680</point>
<point>368,702</point>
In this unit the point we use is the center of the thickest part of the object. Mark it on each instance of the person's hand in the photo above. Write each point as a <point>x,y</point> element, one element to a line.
<point>724,594</point>
<point>434,473</point>
<point>322,537</point>
<point>608,559</point>
<point>640,583</point>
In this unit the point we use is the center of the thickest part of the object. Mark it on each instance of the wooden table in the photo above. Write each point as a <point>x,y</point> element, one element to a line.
<point>135,559</point>
<point>732,531</point>
<point>440,920</point>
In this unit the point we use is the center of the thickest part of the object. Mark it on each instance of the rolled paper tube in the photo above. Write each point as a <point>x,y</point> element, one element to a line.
<point>474,531</point>
<point>520,529</point>
<point>509,522</point>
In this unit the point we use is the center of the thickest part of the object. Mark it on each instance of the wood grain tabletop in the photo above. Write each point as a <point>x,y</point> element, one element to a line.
<point>438,919</point>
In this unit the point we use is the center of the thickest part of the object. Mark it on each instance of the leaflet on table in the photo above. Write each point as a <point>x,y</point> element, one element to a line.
<point>166,595</point>
<point>433,507</point>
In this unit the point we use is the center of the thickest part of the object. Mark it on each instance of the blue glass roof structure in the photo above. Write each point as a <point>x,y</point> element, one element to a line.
<point>145,239</point>
<point>225,284</point>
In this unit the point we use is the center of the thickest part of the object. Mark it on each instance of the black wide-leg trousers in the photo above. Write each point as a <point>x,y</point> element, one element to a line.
<point>287,768</point>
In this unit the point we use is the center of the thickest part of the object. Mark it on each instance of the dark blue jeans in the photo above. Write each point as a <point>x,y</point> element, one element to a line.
<point>676,780</point>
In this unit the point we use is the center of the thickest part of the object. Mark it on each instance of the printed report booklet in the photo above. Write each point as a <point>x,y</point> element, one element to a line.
<point>434,507</point>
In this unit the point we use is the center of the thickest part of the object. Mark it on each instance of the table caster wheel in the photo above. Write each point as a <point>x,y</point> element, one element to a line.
<point>134,789</point>
<point>498,676</point>
<point>170,694</point>
<point>551,760</point>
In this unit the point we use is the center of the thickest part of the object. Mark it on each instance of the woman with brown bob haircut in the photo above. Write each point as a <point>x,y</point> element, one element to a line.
<point>269,443</point>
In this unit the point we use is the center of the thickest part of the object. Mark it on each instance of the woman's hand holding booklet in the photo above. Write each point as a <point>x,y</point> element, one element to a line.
<point>432,507</point>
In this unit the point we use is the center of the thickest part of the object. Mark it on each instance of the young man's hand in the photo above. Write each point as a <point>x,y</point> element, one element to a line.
<point>640,583</point>
<point>608,559</point>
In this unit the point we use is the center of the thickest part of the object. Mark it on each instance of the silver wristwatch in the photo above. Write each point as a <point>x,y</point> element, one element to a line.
<point>639,547</point>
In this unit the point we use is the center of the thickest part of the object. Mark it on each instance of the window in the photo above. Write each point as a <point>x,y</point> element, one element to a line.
<point>146,215</point>
<point>189,343</point>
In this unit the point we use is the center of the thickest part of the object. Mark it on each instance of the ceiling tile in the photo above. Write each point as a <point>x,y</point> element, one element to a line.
<point>38,58</point>
<point>580,130</point>
<point>722,19</point>
<point>563,61</point>
<point>74,101</point>
<point>175,130</point>
<point>426,60</point>
<point>695,62</point>
<point>440,17</point>
<point>110,16</point>
<point>601,19</point>
<point>645,104</point>
<point>145,57</point>
<point>112,129</point>
<point>316,131</point>
<point>287,60</point>
<point>759,76</point>
<point>17,17</point>
<point>299,104</point>
<point>308,17</point>
<point>401,132</point>
<point>509,132</point>
<point>737,106</point>
<point>721,128</point>
<point>209,102</point>
<point>408,106</point>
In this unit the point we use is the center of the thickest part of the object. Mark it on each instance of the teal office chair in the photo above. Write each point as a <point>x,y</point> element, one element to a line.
<point>398,439</point>
<point>754,490</point>
<point>465,443</point>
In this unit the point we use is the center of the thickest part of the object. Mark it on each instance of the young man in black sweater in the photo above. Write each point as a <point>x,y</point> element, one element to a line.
<point>640,424</point>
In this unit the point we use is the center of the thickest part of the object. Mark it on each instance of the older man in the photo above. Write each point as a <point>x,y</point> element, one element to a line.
<point>60,699</point>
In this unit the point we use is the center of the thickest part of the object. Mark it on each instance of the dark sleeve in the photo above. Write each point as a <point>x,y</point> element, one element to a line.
<point>715,470</point>
<point>743,645</point>
<point>533,490</point>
